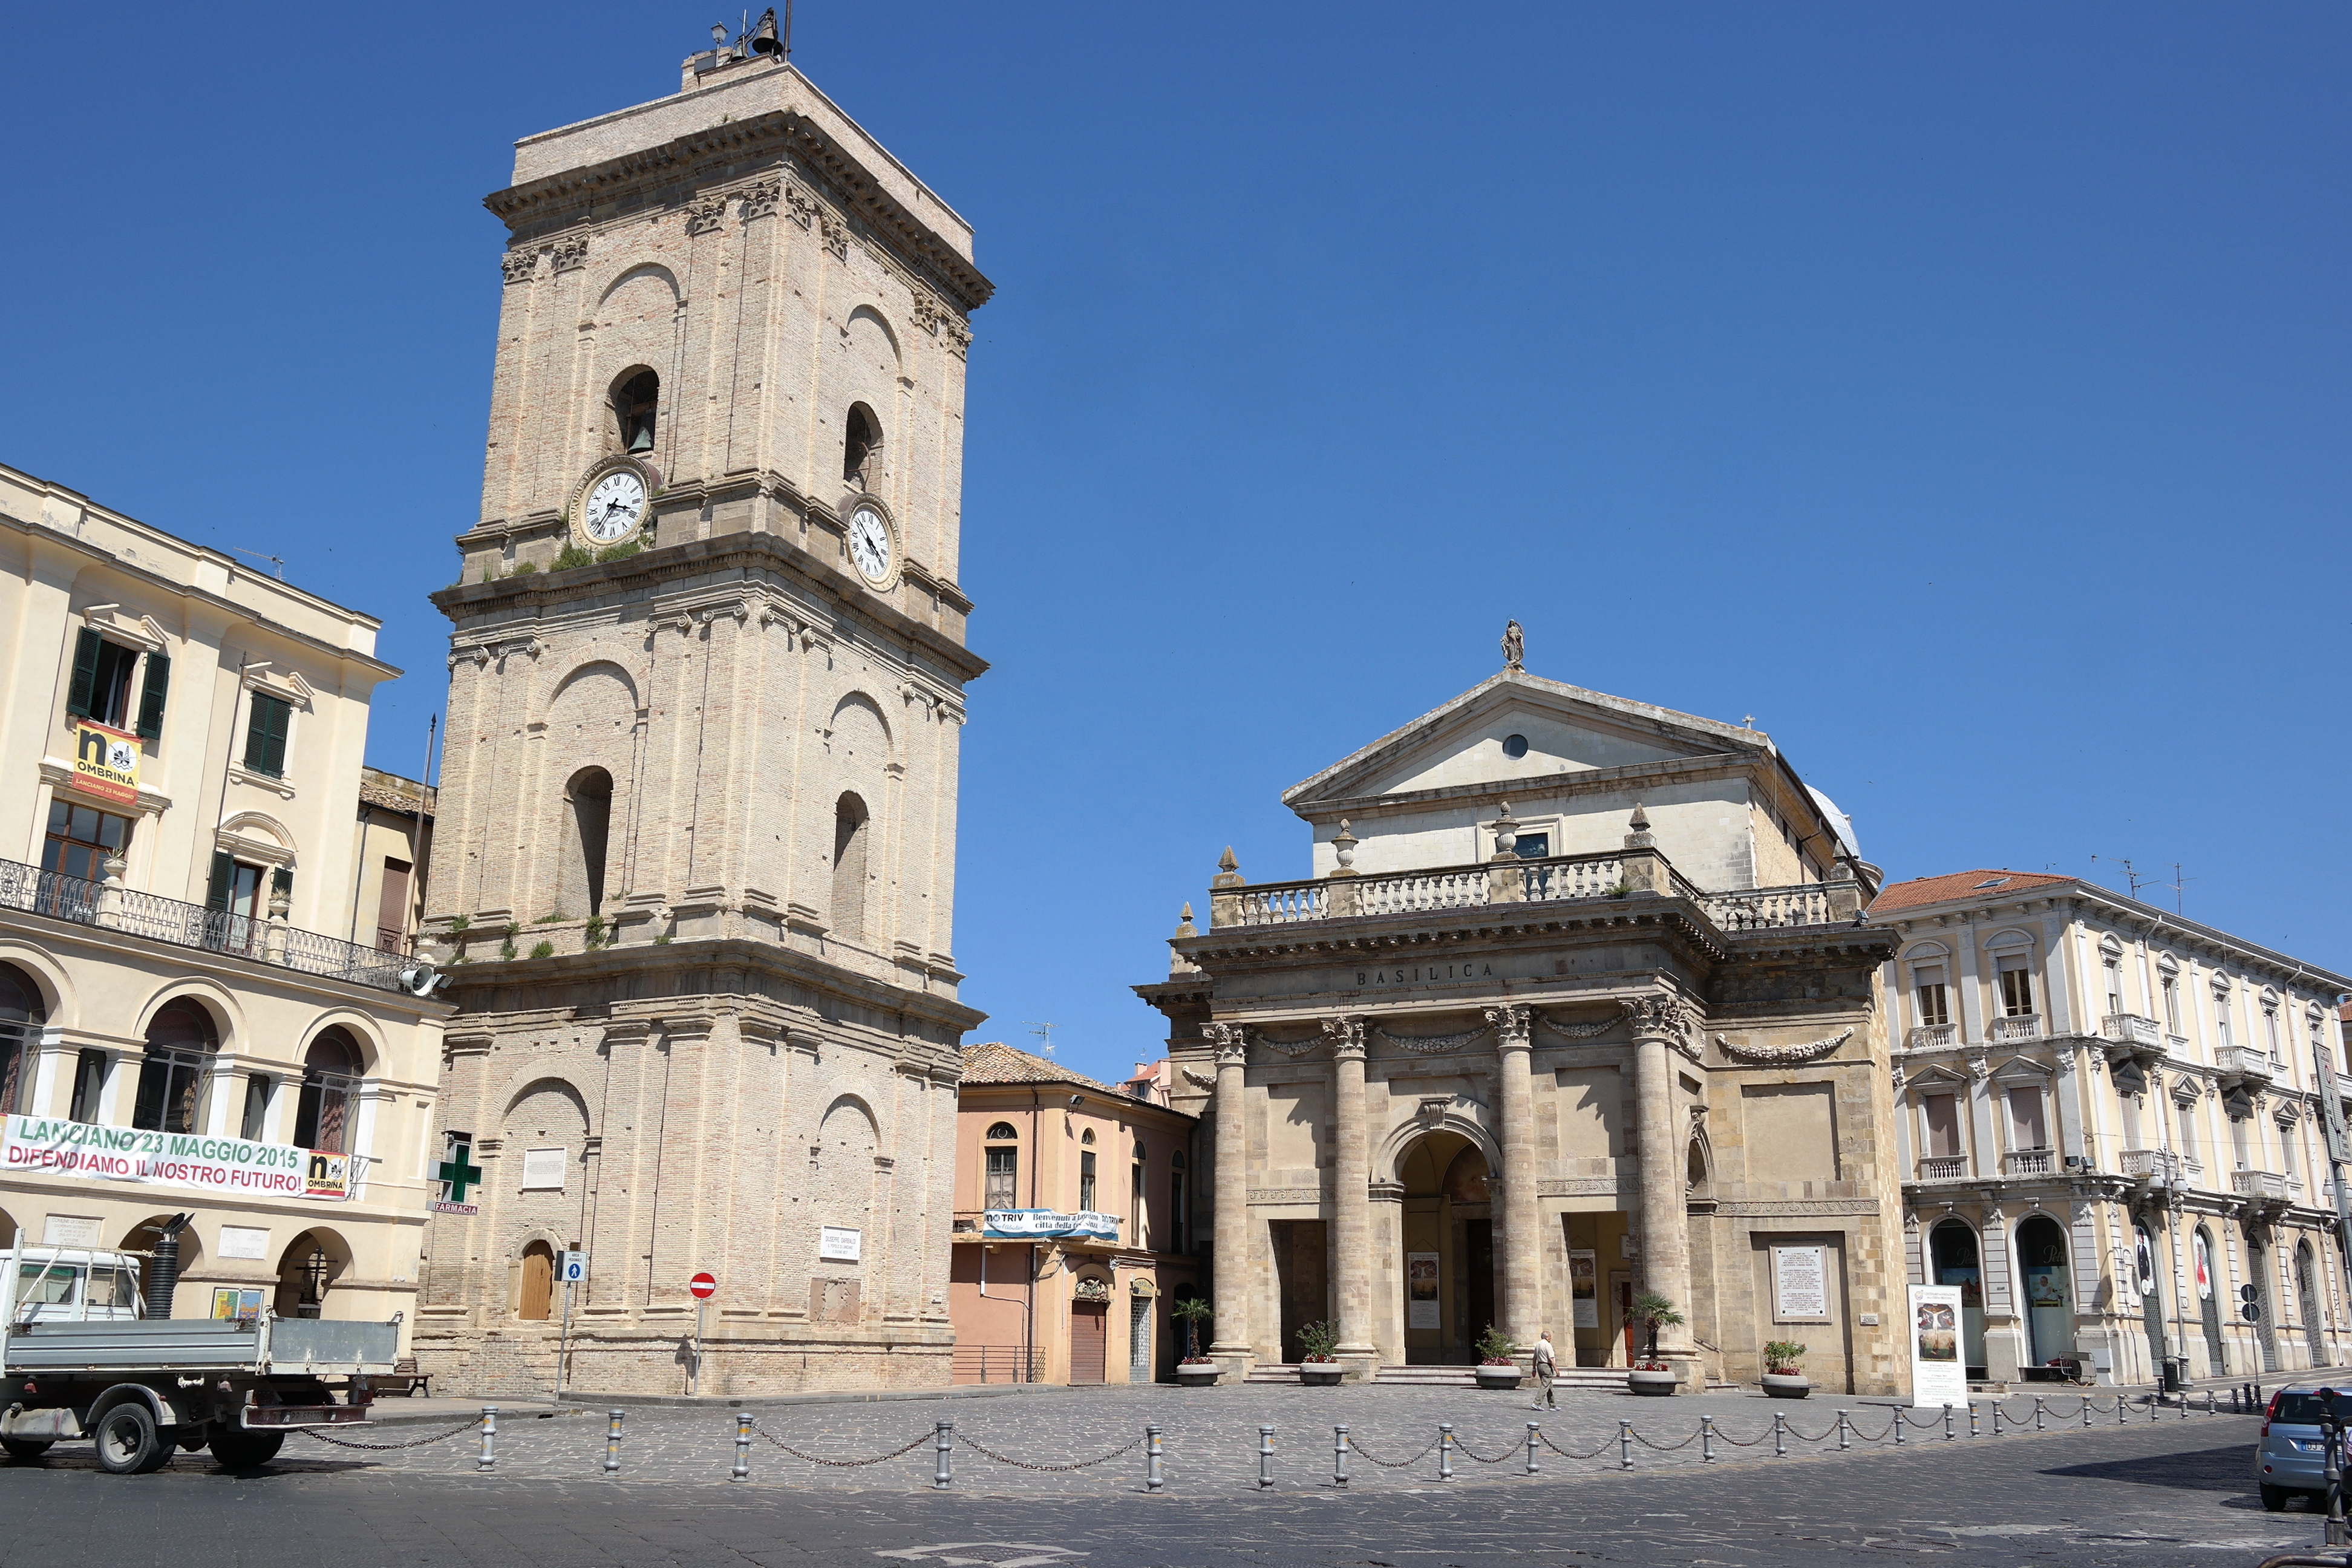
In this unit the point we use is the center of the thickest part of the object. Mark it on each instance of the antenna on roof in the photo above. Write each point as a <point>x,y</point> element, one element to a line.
<point>2132,876</point>
<point>2175,885</point>
<point>257,555</point>
<point>1044,1033</point>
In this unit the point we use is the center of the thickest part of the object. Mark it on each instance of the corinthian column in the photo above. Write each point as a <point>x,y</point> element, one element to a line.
<point>1659,1024</point>
<point>1351,1192</point>
<point>1522,1247</point>
<point>1231,1346</point>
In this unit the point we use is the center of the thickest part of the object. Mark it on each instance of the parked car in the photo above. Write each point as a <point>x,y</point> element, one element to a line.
<point>2292,1454</point>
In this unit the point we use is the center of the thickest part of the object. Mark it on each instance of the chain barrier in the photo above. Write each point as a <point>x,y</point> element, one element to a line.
<point>1666,1447</point>
<point>1736,1443</point>
<point>1545,1439</point>
<point>1356,1446</point>
<point>1513,1452</point>
<point>987,1453</point>
<point>387,1448</point>
<point>1801,1436</point>
<point>1882,1436</point>
<point>841,1464</point>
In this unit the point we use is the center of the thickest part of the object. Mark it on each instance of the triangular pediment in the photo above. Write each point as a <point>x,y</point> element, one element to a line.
<point>1566,729</point>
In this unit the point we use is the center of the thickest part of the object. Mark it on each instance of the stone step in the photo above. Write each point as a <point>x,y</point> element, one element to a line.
<point>1571,1378</point>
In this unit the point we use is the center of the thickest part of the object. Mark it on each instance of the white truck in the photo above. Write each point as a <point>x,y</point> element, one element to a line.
<point>80,1360</point>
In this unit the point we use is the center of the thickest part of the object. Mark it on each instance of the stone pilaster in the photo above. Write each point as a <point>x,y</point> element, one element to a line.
<point>1660,1024</point>
<point>1352,1181</point>
<point>1522,1247</point>
<point>1232,1348</point>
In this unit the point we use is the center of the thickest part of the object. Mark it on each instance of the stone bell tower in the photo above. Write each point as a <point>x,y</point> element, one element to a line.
<point>695,872</point>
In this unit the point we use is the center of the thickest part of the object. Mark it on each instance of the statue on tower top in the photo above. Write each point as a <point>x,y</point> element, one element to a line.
<point>1515,647</point>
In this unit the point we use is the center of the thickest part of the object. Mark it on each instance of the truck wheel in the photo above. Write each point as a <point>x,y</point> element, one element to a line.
<point>239,1450</point>
<point>128,1442</point>
<point>25,1450</point>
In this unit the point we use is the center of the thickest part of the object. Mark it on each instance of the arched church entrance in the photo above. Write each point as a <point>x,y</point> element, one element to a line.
<point>1449,1250</point>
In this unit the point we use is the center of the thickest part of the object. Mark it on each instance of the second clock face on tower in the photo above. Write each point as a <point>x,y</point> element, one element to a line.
<point>871,546</point>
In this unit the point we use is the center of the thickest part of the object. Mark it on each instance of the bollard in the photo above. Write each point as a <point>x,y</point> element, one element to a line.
<point>1972,1420</point>
<point>2122,1403</point>
<point>2184,1403</point>
<point>1152,1479</point>
<point>944,1476</point>
<point>1948,1421</point>
<point>2037,1413</point>
<point>1531,1447</point>
<point>2208,1402</point>
<point>1625,1444</point>
<point>1338,1456</point>
<point>1780,1435</point>
<point>1844,1433</point>
<point>612,1442</point>
<point>2086,1412</point>
<point>1445,1450</point>
<point>1265,1456</point>
<point>490,1456</point>
<point>1899,1425</point>
<point>1996,1417</point>
<point>742,1471</point>
<point>1707,1440</point>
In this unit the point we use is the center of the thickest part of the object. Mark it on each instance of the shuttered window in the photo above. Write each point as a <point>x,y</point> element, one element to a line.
<point>84,684</point>
<point>265,735</point>
<point>151,696</point>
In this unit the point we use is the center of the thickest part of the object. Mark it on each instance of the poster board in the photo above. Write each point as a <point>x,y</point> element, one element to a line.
<point>1939,1375</point>
<point>1421,1290</point>
<point>1583,1267</point>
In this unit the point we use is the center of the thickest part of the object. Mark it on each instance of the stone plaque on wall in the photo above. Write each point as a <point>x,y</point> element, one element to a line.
<point>1799,1284</point>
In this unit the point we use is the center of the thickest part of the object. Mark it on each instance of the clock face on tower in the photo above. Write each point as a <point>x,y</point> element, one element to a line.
<point>872,545</point>
<point>613,506</point>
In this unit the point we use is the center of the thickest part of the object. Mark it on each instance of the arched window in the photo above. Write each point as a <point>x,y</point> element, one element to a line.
<point>1002,1130</point>
<point>587,827</point>
<point>172,1078</point>
<point>1087,1137</point>
<point>1087,1181</point>
<point>861,446</point>
<point>537,1299</point>
<point>636,399</point>
<point>1134,1202</point>
<point>849,836</point>
<point>331,1071</point>
<point>21,1015</point>
<point>1003,1190</point>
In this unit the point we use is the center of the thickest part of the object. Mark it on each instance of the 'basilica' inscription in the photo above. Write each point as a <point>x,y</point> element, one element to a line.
<point>1424,975</point>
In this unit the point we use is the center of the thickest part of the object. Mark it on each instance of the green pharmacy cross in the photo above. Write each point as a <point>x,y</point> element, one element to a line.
<point>459,1172</point>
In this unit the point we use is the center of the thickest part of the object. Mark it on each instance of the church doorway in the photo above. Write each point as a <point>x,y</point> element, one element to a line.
<point>1302,1277</point>
<point>1449,1250</point>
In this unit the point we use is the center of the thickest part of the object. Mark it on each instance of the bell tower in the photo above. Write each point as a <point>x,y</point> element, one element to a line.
<point>695,867</point>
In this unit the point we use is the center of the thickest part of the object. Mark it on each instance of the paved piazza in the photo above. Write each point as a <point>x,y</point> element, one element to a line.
<point>2162,1492</point>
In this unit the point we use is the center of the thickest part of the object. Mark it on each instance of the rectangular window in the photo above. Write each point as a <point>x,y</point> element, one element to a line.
<point>1135,1236</point>
<point>265,735</point>
<point>2184,1113</point>
<point>323,1116</point>
<point>2115,986</point>
<point>170,1085</point>
<point>1004,1179</point>
<point>80,839</point>
<point>2286,1150</point>
<point>1086,1181</point>
<point>18,1043</point>
<point>2222,1021</point>
<point>2172,1004</point>
<point>2016,988</point>
<point>1935,1002</point>
<point>257,1108</point>
<point>1138,1338</point>
<point>392,907</point>
<point>1943,1125</point>
<point>90,1086</point>
<point>2270,1031</point>
<point>2025,1121</point>
<point>1532,845</point>
<point>235,891</point>
<point>101,687</point>
<point>1178,1241</point>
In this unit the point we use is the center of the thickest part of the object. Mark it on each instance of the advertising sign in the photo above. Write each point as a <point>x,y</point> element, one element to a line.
<point>1421,1290</point>
<point>45,1146</point>
<point>230,1303</point>
<point>1583,1268</point>
<point>106,763</point>
<point>1939,1377</point>
<point>1032,1225</point>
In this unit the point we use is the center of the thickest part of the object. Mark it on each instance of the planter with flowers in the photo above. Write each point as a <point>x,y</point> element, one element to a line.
<point>1496,1367</point>
<point>1318,1367</point>
<point>1783,1377</point>
<point>1195,1371</point>
<point>1650,1375</point>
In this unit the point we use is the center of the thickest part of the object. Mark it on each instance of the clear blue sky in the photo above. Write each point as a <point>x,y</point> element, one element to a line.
<point>1959,390</point>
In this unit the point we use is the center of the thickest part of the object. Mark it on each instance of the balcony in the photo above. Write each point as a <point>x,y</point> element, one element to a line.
<point>2158,1165</point>
<point>2267,1184</point>
<point>1928,1037</point>
<point>2344,1085</point>
<point>1943,1167</point>
<point>109,906</point>
<point>1770,909</point>
<point>2028,1163</point>
<point>2018,1030</point>
<point>2241,1062</point>
<point>2131,1029</point>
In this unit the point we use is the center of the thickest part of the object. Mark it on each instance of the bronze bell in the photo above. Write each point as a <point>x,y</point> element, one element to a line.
<point>763,37</point>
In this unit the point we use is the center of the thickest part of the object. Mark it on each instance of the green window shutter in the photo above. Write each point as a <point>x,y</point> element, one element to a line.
<point>281,880</point>
<point>151,700</point>
<point>265,736</point>
<point>84,688</point>
<point>224,874</point>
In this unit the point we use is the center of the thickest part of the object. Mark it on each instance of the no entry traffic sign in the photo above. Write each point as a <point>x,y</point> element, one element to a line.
<point>704,1286</point>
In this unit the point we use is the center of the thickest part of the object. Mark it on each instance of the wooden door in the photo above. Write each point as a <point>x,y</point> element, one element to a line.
<point>1089,1334</point>
<point>538,1283</point>
<point>392,907</point>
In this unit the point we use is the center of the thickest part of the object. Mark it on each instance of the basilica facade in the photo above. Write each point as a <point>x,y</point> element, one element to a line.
<point>1579,1004</point>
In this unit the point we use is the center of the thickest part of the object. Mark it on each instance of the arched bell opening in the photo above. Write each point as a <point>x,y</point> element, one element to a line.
<point>1448,1236</point>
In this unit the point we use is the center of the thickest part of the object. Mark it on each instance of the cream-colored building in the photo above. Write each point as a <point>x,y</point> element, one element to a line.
<point>185,1024</point>
<point>2112,1131</point>
<point>695,847</point>
<point>1579,1003</point>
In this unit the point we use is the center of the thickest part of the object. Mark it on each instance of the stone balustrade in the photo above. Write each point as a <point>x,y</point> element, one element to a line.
<point>1928,1037</point>
<point>1943,1167</point>
<point>2015,1031</point>
<point>1763,909</point>
<point>2131,1029</point>
<point>2259,1185</point>
<point>2160,1163</point>
<point>2242,1061</point>
<point>2028,1163</point>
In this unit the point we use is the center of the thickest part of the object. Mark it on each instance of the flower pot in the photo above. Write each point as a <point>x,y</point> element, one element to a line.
<point>1504,1376</point>
<point>1198,1374</point>
<point>1654,1384</point>
<point>1787,1385</point>
<point>1319,1373</point>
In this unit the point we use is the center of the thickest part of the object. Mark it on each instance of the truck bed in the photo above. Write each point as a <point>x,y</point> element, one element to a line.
<point>324,1347</point>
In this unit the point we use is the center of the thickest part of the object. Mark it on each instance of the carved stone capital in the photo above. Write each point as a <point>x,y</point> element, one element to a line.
<point>1514,1022</point>
<point>1660,1014</point>
<point>704,216</point>
<point>519,265</point>
<point>759,200</point>
<point>1346,1036</point>
<point>568,255</point>
<point>1231,1045</point>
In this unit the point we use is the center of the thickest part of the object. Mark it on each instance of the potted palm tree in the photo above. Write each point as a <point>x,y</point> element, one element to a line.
<point>1783,1377</point>
<point>1650,1375</point>
<point>1496,1367</point>
<point>1195,1371</point>
<point>1317,1365</point>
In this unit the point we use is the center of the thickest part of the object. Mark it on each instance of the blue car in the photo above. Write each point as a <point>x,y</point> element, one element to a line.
<point>2292,1454</point>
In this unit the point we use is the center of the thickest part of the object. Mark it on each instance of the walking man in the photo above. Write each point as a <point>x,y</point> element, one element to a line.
<point>1544,1366</point>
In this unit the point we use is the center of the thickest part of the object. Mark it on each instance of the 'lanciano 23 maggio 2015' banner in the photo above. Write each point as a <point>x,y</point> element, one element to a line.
<point>46,1146</point>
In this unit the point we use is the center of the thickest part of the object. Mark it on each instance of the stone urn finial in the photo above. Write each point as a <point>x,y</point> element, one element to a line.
<point>1507,835</point>
<point>1344,845</point>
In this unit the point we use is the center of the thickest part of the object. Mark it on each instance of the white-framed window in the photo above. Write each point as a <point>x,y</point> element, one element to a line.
<point>2114,967</point>
<point>2221,1017</point>
<point>2015,972</point>
<point>2170,979</point>
<point>2028,1127</point>
<point>1941,1113</point>
<point>1932,993</point>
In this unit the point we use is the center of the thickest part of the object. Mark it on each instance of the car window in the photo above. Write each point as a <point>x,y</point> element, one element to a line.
<point>2304,1409</point>
<point>111,1287</point>
<point>46,1284</point>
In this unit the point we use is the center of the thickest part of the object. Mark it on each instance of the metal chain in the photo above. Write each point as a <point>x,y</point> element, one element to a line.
<point>1666,1447</point>
<point>386,1447</point>
<point>1798,1433</point>
<point>1927,1420</point>
<point>1564,1454</point>
<point>1354,1446</point>
<point>1025,1464</point>
<point>1736,1443</point>
<point>1461,1446</point>
<point>1887,1432</point>
<point>840,1464</point>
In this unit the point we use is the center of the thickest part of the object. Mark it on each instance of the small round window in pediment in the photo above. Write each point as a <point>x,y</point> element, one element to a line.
<point>1515,746</point>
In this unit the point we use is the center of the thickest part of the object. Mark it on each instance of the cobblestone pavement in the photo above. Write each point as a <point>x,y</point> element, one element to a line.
<point>2149,1495</point>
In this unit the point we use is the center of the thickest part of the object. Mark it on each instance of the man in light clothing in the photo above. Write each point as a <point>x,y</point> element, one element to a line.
<point>1543,1366</point>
